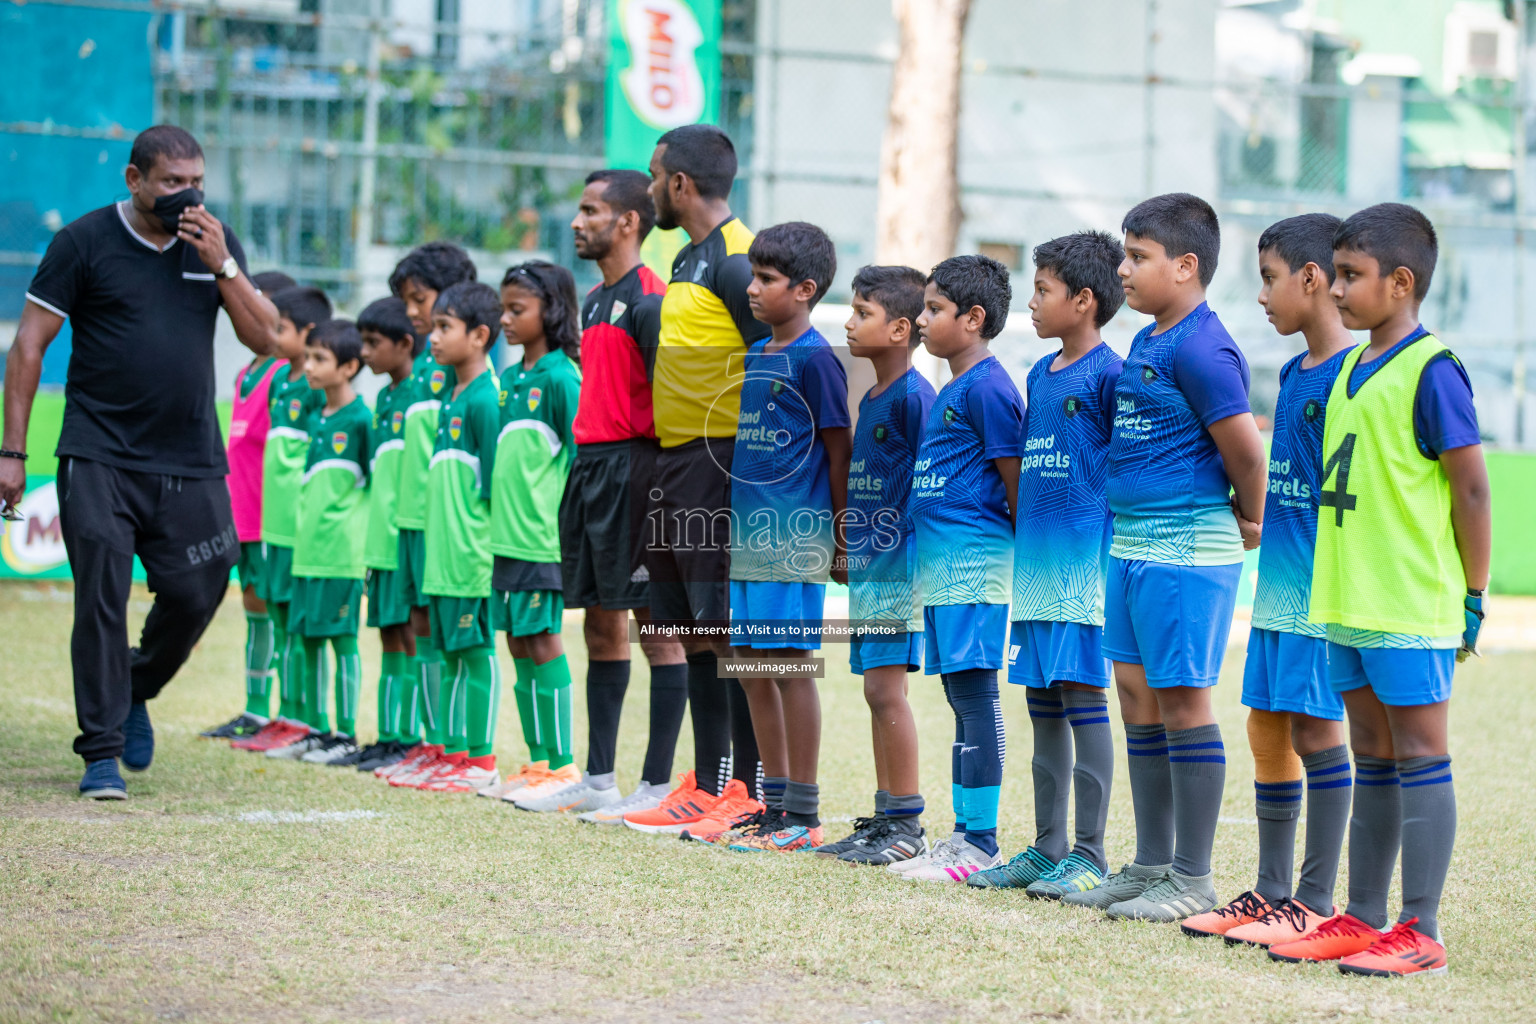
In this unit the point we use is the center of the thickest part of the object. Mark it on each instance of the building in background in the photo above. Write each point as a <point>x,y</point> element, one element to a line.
<point>340,132</point>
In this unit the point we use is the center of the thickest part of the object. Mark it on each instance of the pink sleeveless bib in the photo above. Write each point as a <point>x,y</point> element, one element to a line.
<point>248,425</point>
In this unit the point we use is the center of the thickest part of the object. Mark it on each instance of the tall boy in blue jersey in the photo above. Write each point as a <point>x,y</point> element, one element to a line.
<point>1398,576</point>
<point>789,487</point>
<point>964,484</point>
<point>1294,716</point>
<point>1060,555</point>
<point>1183,440</point>
<point>882,599</point>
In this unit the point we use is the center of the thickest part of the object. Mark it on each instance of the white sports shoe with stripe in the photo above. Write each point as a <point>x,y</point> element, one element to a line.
<point>645,798</point>
<point>957,861</point>
<point>1172,897</point>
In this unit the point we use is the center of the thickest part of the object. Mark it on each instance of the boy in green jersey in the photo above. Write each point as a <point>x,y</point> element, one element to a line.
<point>291,402</point>
<point>1399,568</point>
<point>457,575</point>
<point>390,347</point>
<point>328,553</point>
<point>418,280</point>
<point>538,400</point>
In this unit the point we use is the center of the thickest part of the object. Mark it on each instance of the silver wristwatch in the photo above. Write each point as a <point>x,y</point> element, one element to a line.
<point>229,269</point>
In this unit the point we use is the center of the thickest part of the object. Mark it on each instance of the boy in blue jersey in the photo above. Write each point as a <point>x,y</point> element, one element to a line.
<point>887,302</point>
<point>1400,564</point>
<point>789,487</point>
<point>1183,441</point>
<point>1060,554</point>
<point>964,484</point>
<point>1293,717</point>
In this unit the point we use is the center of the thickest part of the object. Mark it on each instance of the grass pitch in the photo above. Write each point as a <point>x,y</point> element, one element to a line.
<point>233,888</point>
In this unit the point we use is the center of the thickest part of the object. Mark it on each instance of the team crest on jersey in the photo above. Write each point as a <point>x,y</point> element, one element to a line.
<point>1072,406</point>
<point>949,415</point>
<point>778,386</point>
<point>437,380</point>
<point>1148,375</point>
<point>501,399</point>
<point>396,422</point>
<point>880,433</point>
<point>294,408</point>
<point>339,441</point>
<point>534,394</point>
<point>617,311</point>
<point>1311,410</point>
<point>456,427</point>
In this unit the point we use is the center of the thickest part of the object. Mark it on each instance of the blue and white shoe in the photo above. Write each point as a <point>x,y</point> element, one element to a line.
<point>1075,873</point>
<point>102,781</point>
<point>138,739</point>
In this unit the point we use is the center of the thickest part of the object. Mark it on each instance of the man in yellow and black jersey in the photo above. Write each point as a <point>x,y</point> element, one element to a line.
<point>706,326</point>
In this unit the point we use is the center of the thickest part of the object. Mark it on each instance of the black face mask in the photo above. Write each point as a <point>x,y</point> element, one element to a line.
<point>170,208</point>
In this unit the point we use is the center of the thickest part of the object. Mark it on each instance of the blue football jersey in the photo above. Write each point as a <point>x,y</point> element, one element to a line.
<point>882,558</point>
<point>1166,484</point>
<point>1290,507</point>
<point>781,495</point>
<point>1061,544</point>
<point>959,509</point>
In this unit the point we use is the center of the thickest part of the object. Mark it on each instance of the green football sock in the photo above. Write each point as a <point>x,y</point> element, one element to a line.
<point>317,685</point>
<point>391,675</point>
<point>552,693</point>
<point>431,664</point>
<point>290,670</point>
<point>483,685</point>
<point>451,706</point>
<point>260,650</point>
<point>349,683</point>
<point>527,710</point>
<point>408,717</point>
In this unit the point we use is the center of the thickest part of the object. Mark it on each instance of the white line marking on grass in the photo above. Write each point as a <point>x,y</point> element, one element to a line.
<point>304,817</point>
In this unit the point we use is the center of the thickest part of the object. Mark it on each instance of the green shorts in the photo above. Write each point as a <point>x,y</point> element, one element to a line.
<point>460,623</point>
<point>275,586</point>
<point>413,567</point>
<point>325,607</point>
<point>386,605</point>
<point>527,612</point>
<point>250,566</point>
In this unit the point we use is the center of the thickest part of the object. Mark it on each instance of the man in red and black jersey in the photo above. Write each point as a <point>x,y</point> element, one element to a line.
<point>601,517</point>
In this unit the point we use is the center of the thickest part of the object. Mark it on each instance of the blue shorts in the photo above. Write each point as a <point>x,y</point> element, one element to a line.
<point>781,616</point>
<point>881,649</point>
<point>1287,672</point>
<point>961,636</point>
<point>1401,677</point>
<point>1042,654</point>
<point>1174,620</point>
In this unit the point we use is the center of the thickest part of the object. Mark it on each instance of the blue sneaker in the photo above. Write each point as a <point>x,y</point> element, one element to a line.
<point>138,739</point>
<point>1075,874</point>
<point>1023,870</point>
<point>102,781</point>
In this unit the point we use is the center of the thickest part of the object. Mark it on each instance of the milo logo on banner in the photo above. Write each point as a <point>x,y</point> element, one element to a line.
<point>663,84</point>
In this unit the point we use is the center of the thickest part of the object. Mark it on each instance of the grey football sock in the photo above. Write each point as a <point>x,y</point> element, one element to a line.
<point>904,810</point>
<point>1429,834</point>
<point>801,802</point>
<point>1197,766</point>
<point>1277,805</point>
<point>1375,832</point>
<point>881,796</point>
<point>1146,748</point>
<point>1329,789</point>
<point>1088,715</point>
<point>1052,767</point>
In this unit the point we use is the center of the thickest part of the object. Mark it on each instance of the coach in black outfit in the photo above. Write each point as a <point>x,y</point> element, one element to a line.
<point>141,461</point>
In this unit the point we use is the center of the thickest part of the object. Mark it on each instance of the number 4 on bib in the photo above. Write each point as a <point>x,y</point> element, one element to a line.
<point>1339,499</point>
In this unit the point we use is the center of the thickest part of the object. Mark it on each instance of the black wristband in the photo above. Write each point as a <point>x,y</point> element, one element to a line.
<point>6,453</point>
<point>1474,593</point>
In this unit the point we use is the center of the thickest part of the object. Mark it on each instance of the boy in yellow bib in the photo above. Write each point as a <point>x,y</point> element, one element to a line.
<point>1398,575</point>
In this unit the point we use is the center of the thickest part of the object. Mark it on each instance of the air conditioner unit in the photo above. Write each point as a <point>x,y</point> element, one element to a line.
<point>1479,43</point>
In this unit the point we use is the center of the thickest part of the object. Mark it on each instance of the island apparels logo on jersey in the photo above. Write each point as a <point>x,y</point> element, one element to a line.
<point>534,395</point>
<point>339,441</point>
<point>437,380</point>
<point>455,427</point>
<point>1072,406</point>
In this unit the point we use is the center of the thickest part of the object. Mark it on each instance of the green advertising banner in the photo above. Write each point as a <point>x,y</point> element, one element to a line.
<point>663,72</point>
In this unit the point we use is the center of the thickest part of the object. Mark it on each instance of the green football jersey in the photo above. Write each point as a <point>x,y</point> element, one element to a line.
<point>290,403</point>
<point>428,387</point>
<point>333,505</point>
<point>458,562</point>
<point>386,451</point>
<point>533,457</point>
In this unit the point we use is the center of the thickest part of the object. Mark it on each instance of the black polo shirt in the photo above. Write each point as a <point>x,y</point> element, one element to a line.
<point>139,393</point>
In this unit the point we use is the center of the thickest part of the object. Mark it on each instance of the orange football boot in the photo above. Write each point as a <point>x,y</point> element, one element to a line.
<point>1336,938</point>
<point>1400,953</point>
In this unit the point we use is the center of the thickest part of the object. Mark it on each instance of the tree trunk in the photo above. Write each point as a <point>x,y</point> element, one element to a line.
<point>918,207</point>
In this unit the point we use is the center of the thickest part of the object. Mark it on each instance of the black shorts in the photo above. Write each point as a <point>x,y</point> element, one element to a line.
<point>602,515</point>
<point>690,510</point>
